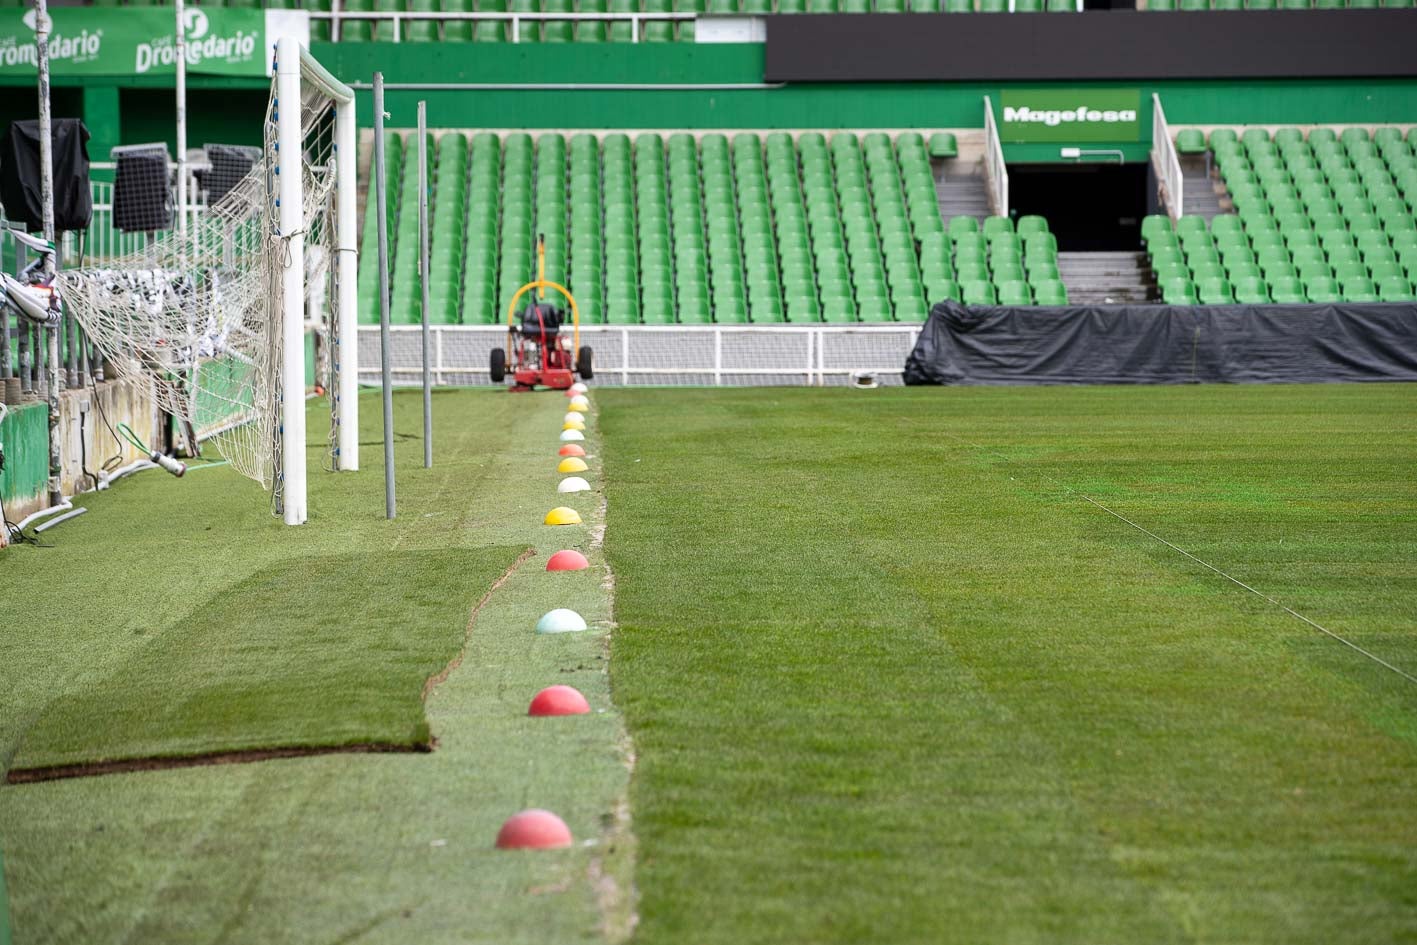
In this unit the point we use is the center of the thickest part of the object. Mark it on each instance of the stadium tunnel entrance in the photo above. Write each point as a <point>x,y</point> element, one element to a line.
<point>1089,207</point>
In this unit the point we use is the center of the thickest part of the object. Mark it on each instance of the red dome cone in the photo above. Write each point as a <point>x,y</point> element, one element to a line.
<point>558,700</point>
<point>567,560</point>
<point>533,829</point>
<point>572,449</point>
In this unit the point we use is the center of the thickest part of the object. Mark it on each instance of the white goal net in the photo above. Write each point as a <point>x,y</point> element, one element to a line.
<point>212,319</point>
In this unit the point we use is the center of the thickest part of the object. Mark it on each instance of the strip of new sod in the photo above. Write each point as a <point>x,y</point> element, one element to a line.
<point>332,652</point>
<point>315,631</point>
<point>891,678</point>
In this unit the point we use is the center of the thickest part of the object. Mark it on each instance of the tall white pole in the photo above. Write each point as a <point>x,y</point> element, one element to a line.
<point>46,204</point>
<point>346,353</point>
<point>423,280</point>
<point>181,120</point>
<point>289,159</point>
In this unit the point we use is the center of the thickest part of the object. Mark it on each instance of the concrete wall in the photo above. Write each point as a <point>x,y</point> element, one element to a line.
<point>85,441</point>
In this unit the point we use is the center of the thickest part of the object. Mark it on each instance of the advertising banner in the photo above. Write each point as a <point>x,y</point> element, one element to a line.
<point>1069,116</point>
<point>130,41</point>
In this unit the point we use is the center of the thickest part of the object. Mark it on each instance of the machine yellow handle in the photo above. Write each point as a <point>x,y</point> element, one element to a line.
<point>542,285</point>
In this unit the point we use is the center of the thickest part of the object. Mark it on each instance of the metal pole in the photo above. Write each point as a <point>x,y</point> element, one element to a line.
<point>181,120</point>
<point>46,202</point>
<point>6,364</point>
<point>382,209</point>
<point>346,352</point>
<point>289,155</point>
<point>423,277</point>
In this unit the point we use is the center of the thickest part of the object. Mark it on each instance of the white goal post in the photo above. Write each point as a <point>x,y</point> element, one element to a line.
<point>210,319</point>
<point>296,72</point>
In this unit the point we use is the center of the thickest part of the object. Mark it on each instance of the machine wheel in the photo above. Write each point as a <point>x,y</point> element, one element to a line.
<point>498,365</point>
<point>583,365</point>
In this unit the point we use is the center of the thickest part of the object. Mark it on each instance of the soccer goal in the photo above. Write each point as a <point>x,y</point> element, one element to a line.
<point>213,320</point>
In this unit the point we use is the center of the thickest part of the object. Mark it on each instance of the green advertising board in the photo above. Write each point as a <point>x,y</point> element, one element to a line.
<point>128,41</point>
<point>1067,116</point>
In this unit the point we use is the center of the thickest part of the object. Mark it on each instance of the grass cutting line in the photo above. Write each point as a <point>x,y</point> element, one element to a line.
<point>1206,564</point>
<point>442,675</point>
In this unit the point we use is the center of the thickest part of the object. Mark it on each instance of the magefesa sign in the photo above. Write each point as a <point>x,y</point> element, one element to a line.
<point>1069,115</point>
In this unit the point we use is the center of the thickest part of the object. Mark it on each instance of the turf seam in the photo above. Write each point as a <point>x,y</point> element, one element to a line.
<point>245,756</point>
<point>440,677</point>
<point>1202,562</point>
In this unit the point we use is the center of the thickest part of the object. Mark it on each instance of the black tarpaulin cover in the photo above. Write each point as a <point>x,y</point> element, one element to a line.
<point>1162,344</point>
<point>19,174</point>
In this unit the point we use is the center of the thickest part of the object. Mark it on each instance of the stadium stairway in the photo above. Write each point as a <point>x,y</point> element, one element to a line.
<point>965,195</point>
<point>1205,196</point>
<point>960,186</point>
<point>1106,278</point>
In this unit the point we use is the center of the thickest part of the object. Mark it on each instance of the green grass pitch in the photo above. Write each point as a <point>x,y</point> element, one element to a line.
<point>888,676</point>
<point>891,679</point>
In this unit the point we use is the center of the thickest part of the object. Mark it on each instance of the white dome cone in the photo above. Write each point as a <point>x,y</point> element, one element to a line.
<point>573,484</point>
<point>579,403</point>
<point>574,416</point>
<point>572,436</point>
<point>579,387</point>
<point>561,621</point>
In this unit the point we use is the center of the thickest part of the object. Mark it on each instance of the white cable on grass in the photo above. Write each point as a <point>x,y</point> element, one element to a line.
<point>1174,547</point>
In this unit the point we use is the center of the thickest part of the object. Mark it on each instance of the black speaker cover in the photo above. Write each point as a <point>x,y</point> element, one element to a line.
<point>229,164</point>
<point>19,174</point>
<point>142,192</point>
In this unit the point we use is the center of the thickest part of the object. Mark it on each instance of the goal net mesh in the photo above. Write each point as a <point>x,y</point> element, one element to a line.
<point>196,317</point>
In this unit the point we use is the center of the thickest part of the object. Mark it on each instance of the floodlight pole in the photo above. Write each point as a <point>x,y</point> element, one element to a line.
<point>381,209</point>
<point>181,119</point>
<point>423,278</point>
<point>46,204</point>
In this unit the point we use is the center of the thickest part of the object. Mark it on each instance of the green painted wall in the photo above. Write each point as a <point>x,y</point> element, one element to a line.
<point>231,110</point>
<point>859,105</point>
<point>25,436</point>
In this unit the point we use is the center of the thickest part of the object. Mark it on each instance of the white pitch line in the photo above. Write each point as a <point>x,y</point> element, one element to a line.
<point>1206,564</point>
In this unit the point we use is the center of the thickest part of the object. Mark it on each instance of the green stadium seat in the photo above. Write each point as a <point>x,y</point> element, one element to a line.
<point>979,292</point>
<point>1223,138</point>
<point>1015,293</point>
<point>1179,291</point>
<point>1252,290</point>
<point>1395,288</point>
<point>1190,141</point>
<point>1215,291</point>
<point>943,145</point>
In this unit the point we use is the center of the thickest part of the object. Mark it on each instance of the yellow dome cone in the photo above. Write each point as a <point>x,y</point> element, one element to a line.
<point>572,464</point>
<point>563,516</point>
<point>573,425</point>
<point>579,403</point>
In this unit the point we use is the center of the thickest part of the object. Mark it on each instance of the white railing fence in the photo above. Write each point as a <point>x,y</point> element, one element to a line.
<point>995,172</point>
<point>1166,162</point>
<point>696,355</point>
<point>398,18</point>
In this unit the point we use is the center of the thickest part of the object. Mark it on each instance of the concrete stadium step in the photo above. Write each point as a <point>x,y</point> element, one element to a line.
<point>1107,278</point>
<point>962,195</point>
<point>1203,193</point>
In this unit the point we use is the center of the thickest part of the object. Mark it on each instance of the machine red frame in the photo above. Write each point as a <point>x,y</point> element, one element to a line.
<point>541,362</point>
